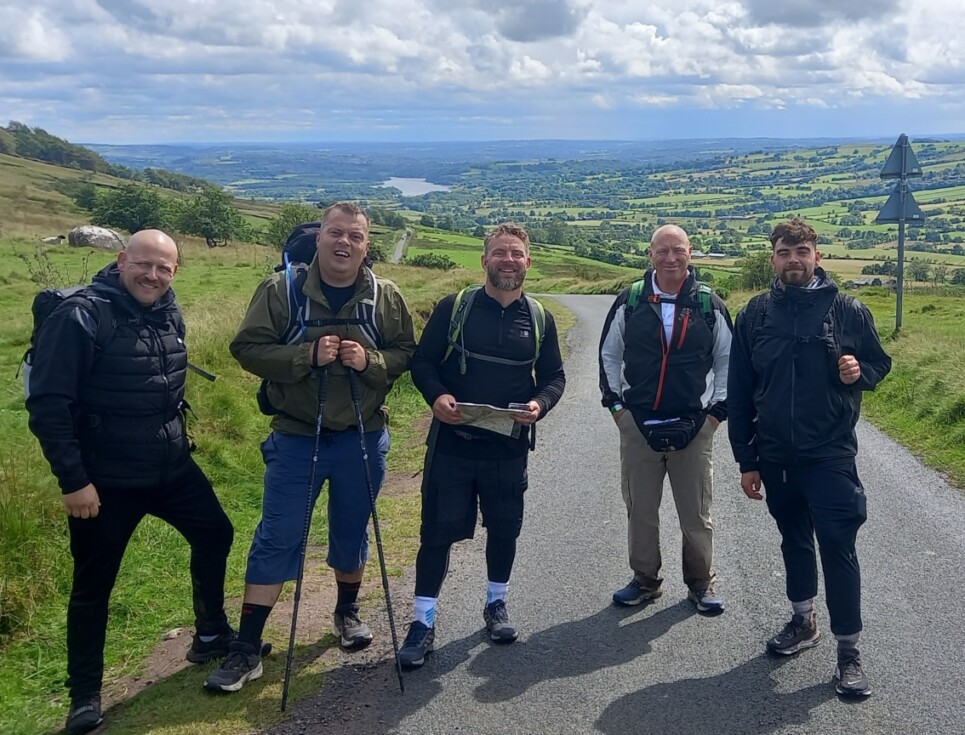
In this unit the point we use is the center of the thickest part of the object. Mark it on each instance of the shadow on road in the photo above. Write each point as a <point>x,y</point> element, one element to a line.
<point>742,701</point>
<point>570,650</point>
<point>364,698</point>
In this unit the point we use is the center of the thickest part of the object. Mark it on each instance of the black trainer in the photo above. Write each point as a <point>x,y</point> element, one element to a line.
<point>242,664</point>
<point>849,678</point>
<point>84,714</point>
<point>501,630</point>
<point>802,632</point>
<point>203,651</point>
<point>418,642</point>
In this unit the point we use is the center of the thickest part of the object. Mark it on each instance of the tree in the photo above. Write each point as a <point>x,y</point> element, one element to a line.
<point>940,273</point>
<point>291,215</point>
<point>132,208</point>
<point>756,272</point>
<point>212,216</point>
<point>918,270</point>
<point>958,277</point>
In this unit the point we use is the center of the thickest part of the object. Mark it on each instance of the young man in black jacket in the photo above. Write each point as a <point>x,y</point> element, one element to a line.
<point>108,414</point>
<point>499,358</point>
<point>802,355</point>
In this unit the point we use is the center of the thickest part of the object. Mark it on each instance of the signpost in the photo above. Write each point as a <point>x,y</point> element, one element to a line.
<point>901,207</point>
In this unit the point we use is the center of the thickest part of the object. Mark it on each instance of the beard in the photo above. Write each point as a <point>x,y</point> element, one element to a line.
<point>794,277</point>
<point>505,282</point>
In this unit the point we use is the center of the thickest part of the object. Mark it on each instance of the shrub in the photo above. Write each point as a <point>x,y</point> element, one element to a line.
<point>432,260</point>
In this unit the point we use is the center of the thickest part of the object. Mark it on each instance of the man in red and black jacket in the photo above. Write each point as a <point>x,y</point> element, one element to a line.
<point>663,376</point>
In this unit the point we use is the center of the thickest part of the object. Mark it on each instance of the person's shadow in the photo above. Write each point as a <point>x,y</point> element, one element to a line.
<point>742,701</point>
<point>571,649</point>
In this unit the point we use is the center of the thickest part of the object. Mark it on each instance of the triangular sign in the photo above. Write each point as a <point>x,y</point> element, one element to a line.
<point>891,213</point>
<point>902,161</point>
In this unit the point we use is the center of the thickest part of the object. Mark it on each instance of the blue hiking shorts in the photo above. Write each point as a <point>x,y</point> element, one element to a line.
<point>276,547</point>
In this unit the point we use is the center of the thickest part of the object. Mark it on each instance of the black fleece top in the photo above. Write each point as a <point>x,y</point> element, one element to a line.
<point>491,330</point>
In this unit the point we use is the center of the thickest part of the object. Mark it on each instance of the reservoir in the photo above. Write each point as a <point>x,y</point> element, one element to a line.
<point>413,187</point>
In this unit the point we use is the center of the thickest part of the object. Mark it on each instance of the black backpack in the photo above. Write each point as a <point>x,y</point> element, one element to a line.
<point>297,255</point>
<point>47,301</point>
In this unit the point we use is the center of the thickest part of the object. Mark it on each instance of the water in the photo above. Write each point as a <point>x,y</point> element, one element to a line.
<point>414,187</point>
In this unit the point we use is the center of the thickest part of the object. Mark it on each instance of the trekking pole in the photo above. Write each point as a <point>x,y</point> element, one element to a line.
<point>309,504</point>
<point>353,381</point>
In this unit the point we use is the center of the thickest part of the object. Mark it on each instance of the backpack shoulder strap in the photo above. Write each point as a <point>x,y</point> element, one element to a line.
<point>102,310</point>
<point>633,298</point>
<point>706,305</point>
<point>755,312</point>
<point>295,276</point>
<point>836,317</point>
<point>460,310</point>
<point>538,314</point>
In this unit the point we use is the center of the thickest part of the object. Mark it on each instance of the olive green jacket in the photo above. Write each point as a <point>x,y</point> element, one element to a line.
<point>293,389</point>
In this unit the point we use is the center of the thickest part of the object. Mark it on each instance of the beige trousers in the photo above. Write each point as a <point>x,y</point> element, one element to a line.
<point>691,480</point>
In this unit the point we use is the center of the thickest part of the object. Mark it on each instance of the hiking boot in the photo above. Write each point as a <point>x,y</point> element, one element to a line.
<point>418,642</point>
<point>707,601</point>
<point>802,632</point>
<point>501,630</point>
<point>242,664</point>
<point>84,714</point>
<point>201,652</point>
<point>351,631</point>
<point>849,679</point>
<point>635,593</point>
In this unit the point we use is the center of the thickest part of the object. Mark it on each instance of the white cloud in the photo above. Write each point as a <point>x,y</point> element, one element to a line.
<point>533,60</point>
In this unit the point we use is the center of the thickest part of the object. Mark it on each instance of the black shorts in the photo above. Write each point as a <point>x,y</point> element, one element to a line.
<point>456,488</point>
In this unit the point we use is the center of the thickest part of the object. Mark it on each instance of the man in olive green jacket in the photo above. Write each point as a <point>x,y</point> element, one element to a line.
<point>366,327</point>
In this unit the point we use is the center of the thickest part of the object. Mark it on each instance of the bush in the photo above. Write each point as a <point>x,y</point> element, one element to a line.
<point>432,260</point>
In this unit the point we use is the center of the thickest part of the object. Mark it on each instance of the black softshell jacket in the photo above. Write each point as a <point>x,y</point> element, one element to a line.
<point>786,402</point>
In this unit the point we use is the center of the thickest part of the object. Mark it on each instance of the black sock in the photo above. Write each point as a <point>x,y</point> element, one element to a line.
<point>348,593</point>
<point>253,619</point>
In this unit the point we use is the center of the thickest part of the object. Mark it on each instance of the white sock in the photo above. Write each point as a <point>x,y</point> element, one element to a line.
<point>805,608</point>
<point>496,591</point>
<point>425,610</point>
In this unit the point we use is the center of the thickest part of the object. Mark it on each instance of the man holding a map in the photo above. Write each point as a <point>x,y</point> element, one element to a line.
<point>489,365</point>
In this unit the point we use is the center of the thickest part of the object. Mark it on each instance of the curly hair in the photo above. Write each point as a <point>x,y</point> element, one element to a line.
<point>506,228</point>
<point>792,232</point>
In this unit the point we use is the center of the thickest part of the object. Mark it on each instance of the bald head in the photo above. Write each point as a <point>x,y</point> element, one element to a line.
<point>670,256</point>
<point>671,234</point>
<point>147,265</point>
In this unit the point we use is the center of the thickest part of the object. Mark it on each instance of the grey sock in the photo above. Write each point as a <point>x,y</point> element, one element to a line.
<point>848,641</point>
<point>804,608</point>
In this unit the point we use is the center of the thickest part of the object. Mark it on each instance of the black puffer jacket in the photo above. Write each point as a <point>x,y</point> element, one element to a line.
<point>110,414</point>
<point>786,402</point>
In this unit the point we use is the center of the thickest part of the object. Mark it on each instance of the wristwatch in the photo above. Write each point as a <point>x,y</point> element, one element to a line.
<point>616,408</point>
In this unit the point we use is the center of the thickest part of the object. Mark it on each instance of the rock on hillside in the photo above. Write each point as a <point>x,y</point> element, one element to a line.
<point>95,237</point>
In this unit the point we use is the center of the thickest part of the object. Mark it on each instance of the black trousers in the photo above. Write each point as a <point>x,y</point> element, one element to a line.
<point>825,500</point>
<point>97,544</point>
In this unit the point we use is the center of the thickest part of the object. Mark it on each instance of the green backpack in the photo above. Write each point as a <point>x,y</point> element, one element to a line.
<point>460,310</point>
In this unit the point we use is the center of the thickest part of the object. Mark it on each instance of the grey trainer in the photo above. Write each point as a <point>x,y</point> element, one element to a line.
<point>351,631</point>
<point>243,664</point>
<point>501,630</point>
<point>800,633</point>
<point>418,643</point>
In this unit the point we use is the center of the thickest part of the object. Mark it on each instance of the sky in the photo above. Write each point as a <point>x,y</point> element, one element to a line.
<point>157,71</point>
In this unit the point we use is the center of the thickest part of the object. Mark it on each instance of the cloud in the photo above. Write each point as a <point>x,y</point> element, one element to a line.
<point>811,13</point>
<point>580,68</point>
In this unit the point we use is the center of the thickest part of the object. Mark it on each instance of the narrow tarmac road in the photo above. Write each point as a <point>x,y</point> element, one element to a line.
<point>584,666</point>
